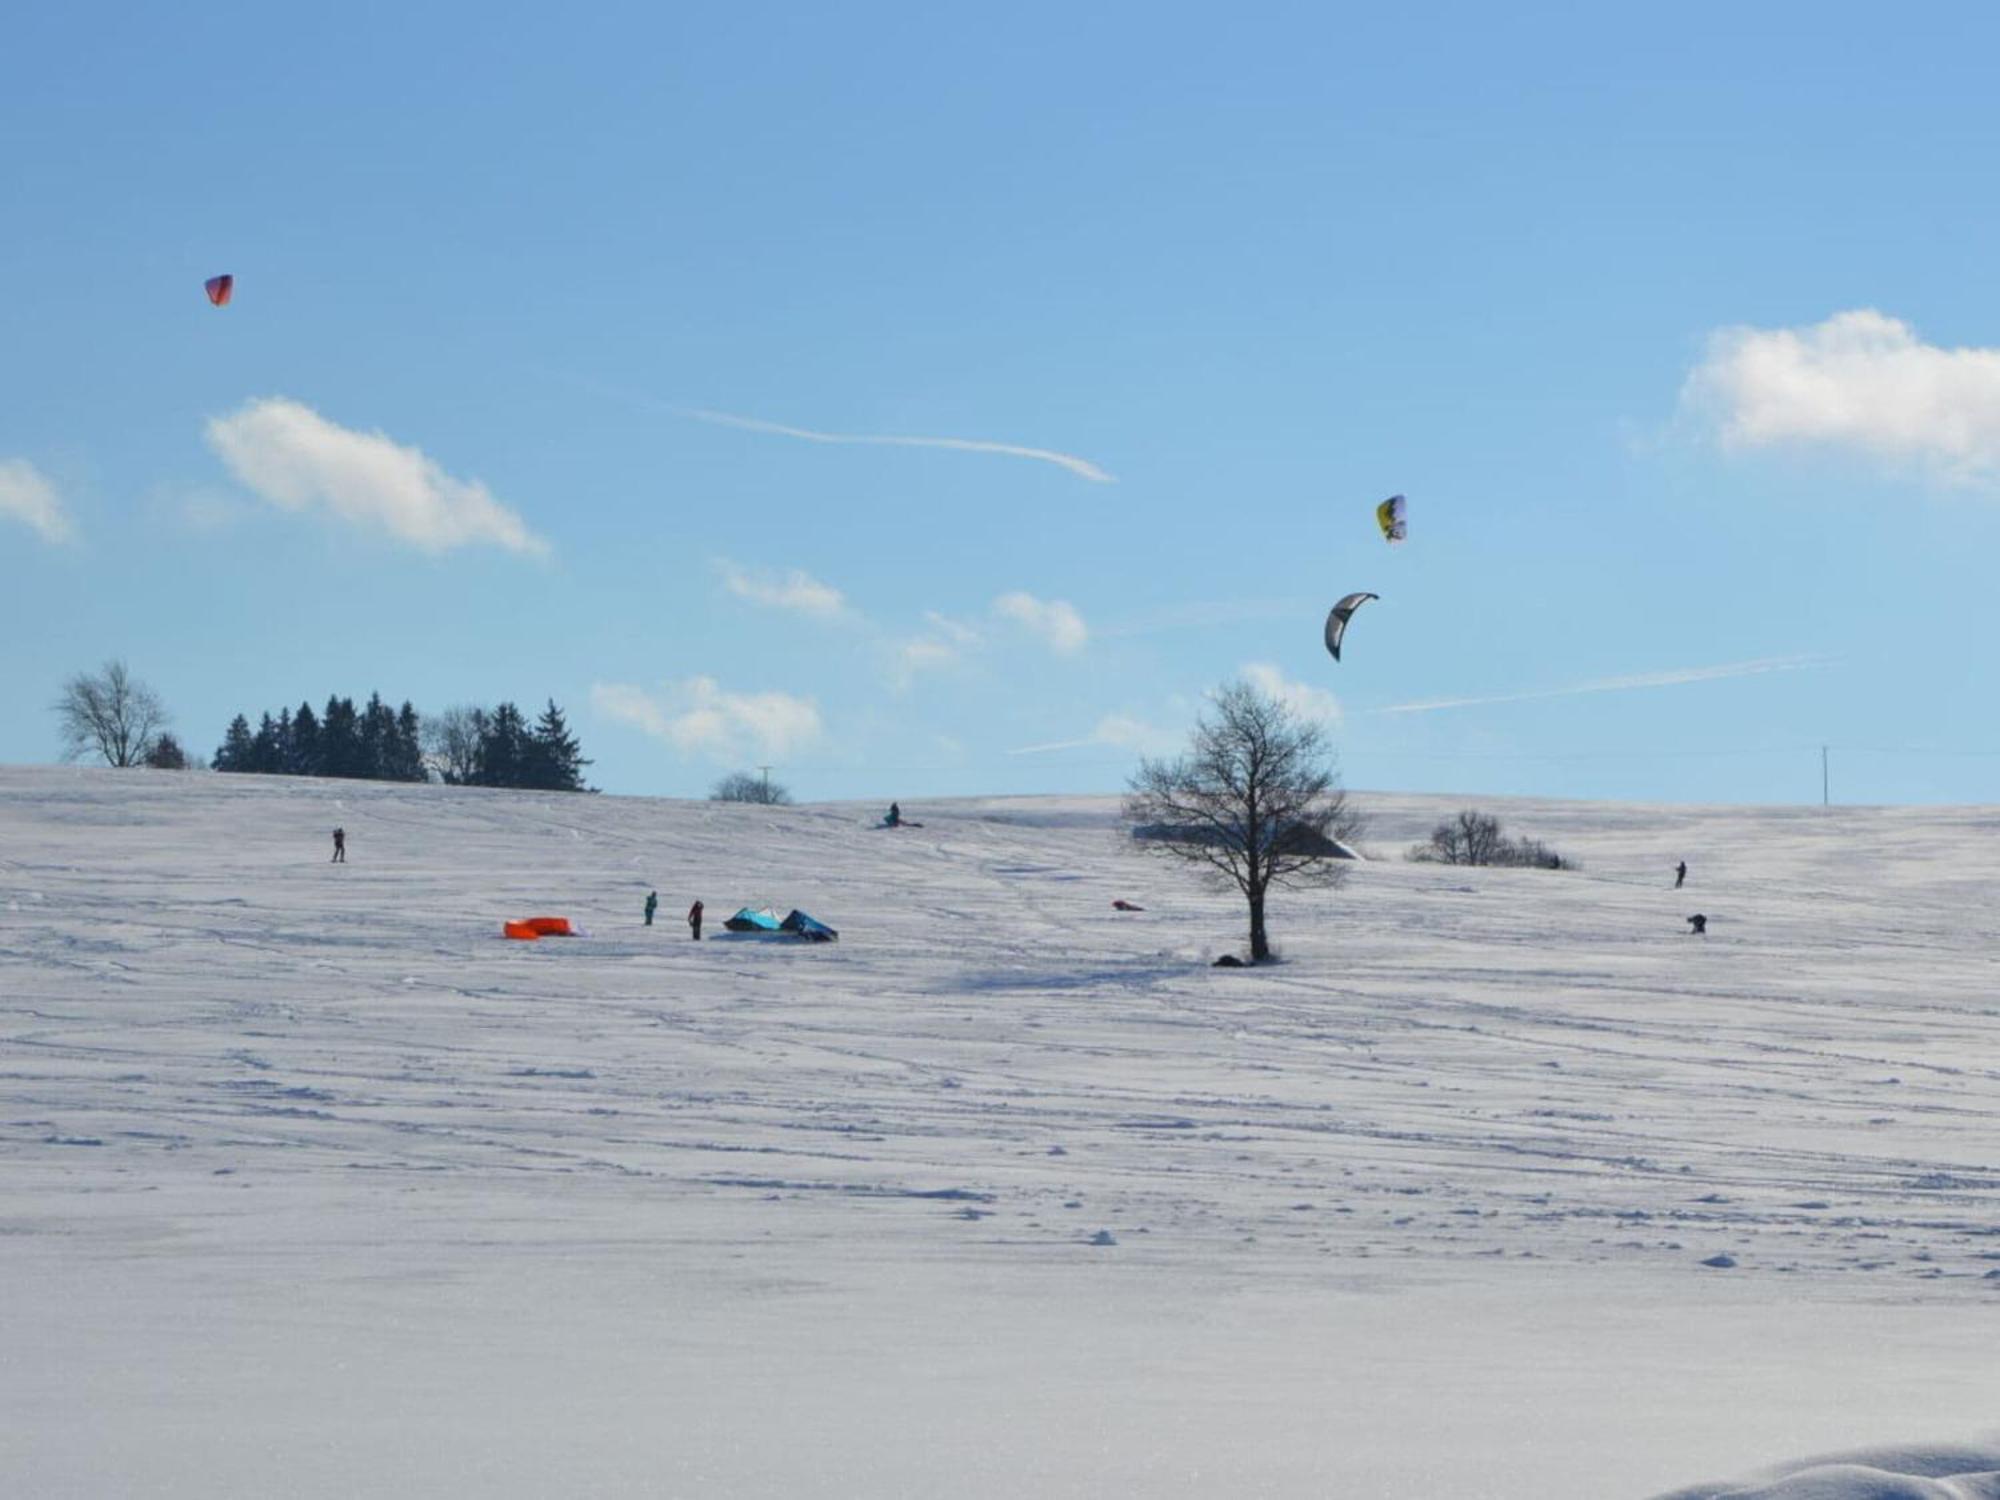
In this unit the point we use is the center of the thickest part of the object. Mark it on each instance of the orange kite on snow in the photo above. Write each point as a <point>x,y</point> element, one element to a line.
<point>528,929</point>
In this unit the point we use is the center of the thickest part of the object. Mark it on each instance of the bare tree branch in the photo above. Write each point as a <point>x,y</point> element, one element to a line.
<point>452,742</point>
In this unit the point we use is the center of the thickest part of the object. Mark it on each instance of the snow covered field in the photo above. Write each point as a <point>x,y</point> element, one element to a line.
<point>312,1185</point>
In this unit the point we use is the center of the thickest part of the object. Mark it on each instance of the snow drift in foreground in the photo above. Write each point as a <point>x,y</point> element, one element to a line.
<point>1501,1186</point>
<point>1939,1473</point>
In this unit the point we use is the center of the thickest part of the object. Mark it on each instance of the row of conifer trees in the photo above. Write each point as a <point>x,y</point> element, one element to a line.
<point>462,746</point>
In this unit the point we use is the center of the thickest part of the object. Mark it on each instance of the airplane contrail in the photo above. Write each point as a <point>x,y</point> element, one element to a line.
<point>1081,467</point>
<point>1672,678</point>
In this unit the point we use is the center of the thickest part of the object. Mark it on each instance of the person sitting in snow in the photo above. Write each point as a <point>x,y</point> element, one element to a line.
<point>895,817</point>
<point>1698,925</point>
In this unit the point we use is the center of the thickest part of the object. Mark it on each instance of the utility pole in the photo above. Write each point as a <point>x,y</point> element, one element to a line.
<point>767,783</point>
<point>1822,776</point>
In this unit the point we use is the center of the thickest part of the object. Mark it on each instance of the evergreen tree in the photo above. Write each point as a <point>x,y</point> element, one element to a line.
<point>305,759</point>
<point>283,742</point>
<point>378,741</point>
<point>234,755</point>
<point>555,759</point>
<point>504,748</point>
<point>265,756</point>
<point>339,739</point>
<point>166,754</point>
<point>408,764</point>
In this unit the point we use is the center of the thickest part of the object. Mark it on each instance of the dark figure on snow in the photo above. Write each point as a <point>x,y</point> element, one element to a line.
<point>1698,925</point>
<point>652,905</point>
<point>1680,874</point>
<point>694,921</point>
<point>339,847</point>
<point>895,817</point>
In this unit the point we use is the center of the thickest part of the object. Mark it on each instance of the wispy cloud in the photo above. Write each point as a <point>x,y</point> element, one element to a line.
<point>290,456</point>
<point>796,590</point>
<point>1861,381</point>
<point>1055,622</point>
<point>944,645</point>
<point>1303,699</point>
<point>948,643</point>
<point>1083,468</point>
<point>1675,677</point>
<point>1113,731</point>
<point>697,717</point>
<point>28,497</point>
<point>1125,732</point>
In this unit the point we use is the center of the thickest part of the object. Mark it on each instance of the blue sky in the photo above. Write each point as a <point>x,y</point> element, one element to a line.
<point>1678,330</point>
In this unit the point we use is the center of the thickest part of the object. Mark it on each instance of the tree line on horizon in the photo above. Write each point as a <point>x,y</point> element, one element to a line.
<point>463,746</point>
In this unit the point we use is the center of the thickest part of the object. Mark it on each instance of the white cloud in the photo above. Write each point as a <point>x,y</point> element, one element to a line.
<point>941,649</point>
<point>1860,382</point>
<point>1057,623</point>
<point>1674,677</point>
<point>947,642</point>
<point>1303,699</point>
<point>946,645</point>
<point>796,590</point>
<point>1083,468</point>
<point>26,496</point>
<point>697,717</point>
<point>1116,731</point>
<point>289,455</point>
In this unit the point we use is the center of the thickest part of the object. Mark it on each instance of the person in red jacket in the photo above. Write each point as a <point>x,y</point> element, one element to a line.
<point>694,921</point>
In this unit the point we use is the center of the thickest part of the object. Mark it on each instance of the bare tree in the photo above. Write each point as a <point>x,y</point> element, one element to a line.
<point>111,714</point>
<point>452,743</point>
<point>1254,802</point>
<point>1472,838</point>
<point>741,786</point>
<point>1475,838</point>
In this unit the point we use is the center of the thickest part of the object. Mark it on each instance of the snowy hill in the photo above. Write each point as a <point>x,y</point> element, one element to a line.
<point>1500,1185</point>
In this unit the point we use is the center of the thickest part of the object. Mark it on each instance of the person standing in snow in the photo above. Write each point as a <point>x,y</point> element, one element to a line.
<point>339,847</point>
<point>1680,874</point>
<point>694,921</point>
<point>652,905</point>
